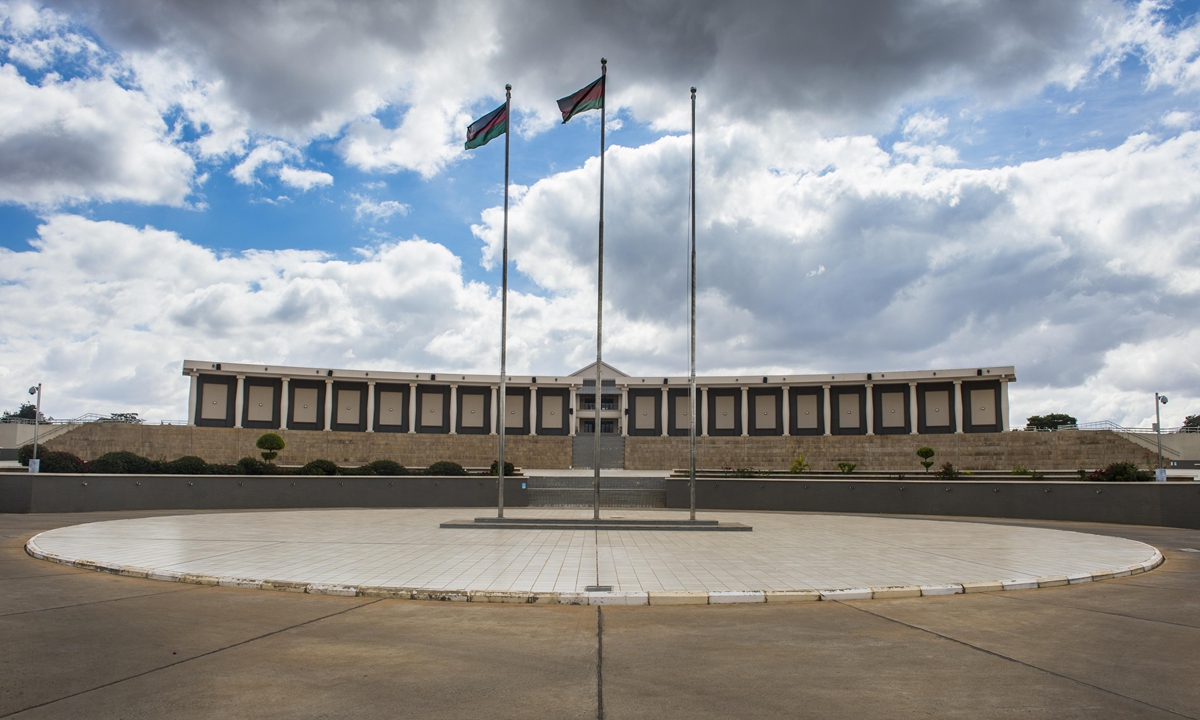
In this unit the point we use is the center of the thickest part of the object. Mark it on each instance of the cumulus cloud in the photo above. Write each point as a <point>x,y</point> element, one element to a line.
<point>376,210</point>
<point>304,179</point>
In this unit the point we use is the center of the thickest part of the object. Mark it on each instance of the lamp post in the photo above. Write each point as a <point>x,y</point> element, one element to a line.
<point>1160,474</point>
<point>34,462</point>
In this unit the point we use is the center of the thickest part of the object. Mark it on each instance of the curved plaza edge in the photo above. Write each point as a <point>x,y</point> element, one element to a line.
<point>601,598</point>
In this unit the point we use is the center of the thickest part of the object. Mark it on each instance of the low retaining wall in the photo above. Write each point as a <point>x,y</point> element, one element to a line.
<point>228,445</point>
<point>45,493</point>
<point>1167,504</point>
<point>1064,450</point>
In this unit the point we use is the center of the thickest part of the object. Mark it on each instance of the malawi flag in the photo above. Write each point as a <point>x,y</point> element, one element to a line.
<point>488,128</point>
<point>589,98</point>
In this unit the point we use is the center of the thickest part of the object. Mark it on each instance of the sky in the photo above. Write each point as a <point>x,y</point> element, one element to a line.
<point>881,186</point>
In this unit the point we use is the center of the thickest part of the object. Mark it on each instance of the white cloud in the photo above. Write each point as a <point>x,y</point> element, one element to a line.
<point>1179,119</point>
<point>268,153</point>
<point>304,179</point>
<point>924,125</point>
<point>375,210</point>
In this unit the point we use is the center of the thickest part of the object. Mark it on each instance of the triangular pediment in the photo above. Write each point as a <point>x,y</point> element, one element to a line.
<point>607,372</point>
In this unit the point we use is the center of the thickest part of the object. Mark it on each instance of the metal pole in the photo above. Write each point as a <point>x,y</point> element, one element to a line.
<point>501,416</point>
<point>37,417</point>
<point>599,306</point>
<point>1158,428</point>
<point>692,295</point>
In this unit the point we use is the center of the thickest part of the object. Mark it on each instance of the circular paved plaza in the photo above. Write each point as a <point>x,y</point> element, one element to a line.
<point>403,553</point>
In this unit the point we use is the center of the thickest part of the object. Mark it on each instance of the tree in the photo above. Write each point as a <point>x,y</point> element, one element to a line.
<point>1192,421</point>
<point>1053,421</point>
<point>925,453</point>
<point>272,443</point>
<point>28,411</point>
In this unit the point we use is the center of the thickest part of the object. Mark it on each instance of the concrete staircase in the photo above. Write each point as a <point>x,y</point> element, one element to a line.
<point>612,451</point>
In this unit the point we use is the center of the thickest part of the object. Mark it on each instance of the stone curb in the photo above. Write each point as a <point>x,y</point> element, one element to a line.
<point>619,597</point>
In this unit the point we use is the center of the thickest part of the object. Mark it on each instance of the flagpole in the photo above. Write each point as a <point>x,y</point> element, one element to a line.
<point>599,307</point>
<point>692,295</point>
<point>504,306</point>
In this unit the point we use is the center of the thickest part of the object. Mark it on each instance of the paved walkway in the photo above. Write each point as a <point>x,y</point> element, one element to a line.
<point>403,553</point>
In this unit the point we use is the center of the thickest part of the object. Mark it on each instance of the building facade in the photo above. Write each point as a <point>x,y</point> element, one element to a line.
<point>239,395</point>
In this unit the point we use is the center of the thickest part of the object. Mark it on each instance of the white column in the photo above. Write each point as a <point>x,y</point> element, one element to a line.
<point>828,411</point>
<point>370,406</point>
<point>533,410</point>
<point>329,402</point>
<point>870,409</point>
<point>453,409</point>
<point>1004,419</point>
<point>623,415</point>
<point>412,407</point>
<point>284,406</point>
<point>958,407</point>
<point>495,411</point>
<point>572,404</point>
<point>912,406</point>
<point>193,387</point>
<point>701,401</point>
<point>666,417</point>
<point>787,411</point>
<point>239,401</point>
<point>745,412</point>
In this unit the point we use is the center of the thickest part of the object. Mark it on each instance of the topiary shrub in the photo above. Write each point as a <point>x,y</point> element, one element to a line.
<point>509,468</point>
<point>1122,472</point>
<point>320,467</point>
<point>445,467</point>
<point>124,462</point>
<point>925,453</point>
<point>272,443</point>
<point>186,465</point>
<point>388,468</point>
<point>56,461</point>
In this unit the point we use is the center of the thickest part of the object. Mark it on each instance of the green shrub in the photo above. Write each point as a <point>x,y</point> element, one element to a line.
<point>1020,469</point>
<point>24,454</point>
<point>846,467</point>
<point>253,466</point>
<point>925,453</point>
<point>186,465</point>
<point>799,465</point>
<point>56,461</point>
<point>445,467</point>
<point>509,468</point>
<point>272,443</point>
<point>124,463</point>
<point>389,468</point>
<point>319,467</point>
<point>361,470</point>
<point>1122,472</point>
<point>947,471</point>
<point>224,469</point>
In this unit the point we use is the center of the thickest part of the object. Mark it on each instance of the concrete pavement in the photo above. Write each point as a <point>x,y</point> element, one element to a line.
<point>75,643</point>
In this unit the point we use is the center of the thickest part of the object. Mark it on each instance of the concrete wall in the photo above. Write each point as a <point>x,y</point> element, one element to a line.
<point>228,445</point>
<point>1169,504</point>
<point>91,493</point>
<point>14,435</point>
<point>974,451</point>
<point>1176,446</point>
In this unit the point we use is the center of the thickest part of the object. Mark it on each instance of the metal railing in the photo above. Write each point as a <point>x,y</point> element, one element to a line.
<point>1110,425</point>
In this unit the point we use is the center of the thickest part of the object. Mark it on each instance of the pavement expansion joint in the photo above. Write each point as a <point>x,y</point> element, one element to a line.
<point>551,557</point>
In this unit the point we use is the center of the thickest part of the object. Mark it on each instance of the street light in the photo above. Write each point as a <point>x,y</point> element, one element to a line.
<point>1159,400</point>
<point>34,462</point>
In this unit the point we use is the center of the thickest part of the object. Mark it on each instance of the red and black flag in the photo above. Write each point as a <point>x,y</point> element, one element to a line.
<point>589,98</point>
<point>488,128</point>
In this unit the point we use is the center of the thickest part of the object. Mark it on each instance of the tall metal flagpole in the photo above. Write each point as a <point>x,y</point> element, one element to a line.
<point>504,305</point>
<point>692,296</point>
<point>599,306</point>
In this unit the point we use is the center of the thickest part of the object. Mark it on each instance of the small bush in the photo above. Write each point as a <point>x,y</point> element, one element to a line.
<point>361,470</point>
<point>124,463</point>
<point>799,465</point>
<point>1122,472</point>
<point>445,467</point>
<point>56,461</point>
<point>253,466</point>
<point>320,467</point>
<point>24,454</point>
<point>388,468</point>
<point>948,471</point>
<point>509,468</point>
<point>1020,469</point>
<point>272,443</point>
<point>846,467</point>
<point>925,453</point>
<point>186,465</point>
<point>223,469</point>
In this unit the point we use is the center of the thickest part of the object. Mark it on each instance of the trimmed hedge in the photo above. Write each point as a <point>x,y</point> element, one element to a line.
<point>445,467</point>
<point>128,463</point>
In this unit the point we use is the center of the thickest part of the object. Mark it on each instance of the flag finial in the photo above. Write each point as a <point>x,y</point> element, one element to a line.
<point>693,91</point>
<point>603,61</point>
<point>509,87</point>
